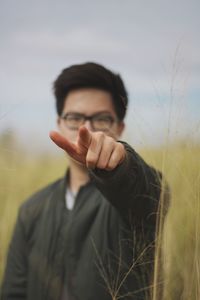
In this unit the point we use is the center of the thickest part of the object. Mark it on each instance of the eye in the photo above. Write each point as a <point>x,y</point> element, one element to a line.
<point>103,118</point>
<point>74,117</point>
<point>73,121</point>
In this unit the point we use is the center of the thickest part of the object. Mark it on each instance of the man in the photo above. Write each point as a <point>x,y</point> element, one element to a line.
<point>91,234</point>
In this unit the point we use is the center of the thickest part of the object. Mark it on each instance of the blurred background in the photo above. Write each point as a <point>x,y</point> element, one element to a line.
<point>155,47</point>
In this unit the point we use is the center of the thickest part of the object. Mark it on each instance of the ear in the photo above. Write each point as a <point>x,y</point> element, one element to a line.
<point>121,127</point>
<point>58,122</point>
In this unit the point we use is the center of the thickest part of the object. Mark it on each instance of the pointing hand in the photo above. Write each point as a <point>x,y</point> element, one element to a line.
<point>92,149</point>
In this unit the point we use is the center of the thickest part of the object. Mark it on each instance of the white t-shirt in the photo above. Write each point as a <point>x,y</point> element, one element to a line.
<point>70,199</point>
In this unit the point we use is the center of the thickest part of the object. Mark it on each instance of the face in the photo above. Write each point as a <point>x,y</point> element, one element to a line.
<point>96,107</point>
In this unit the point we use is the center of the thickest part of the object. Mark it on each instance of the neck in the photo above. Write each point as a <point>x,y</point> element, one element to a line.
<point>78,176</point>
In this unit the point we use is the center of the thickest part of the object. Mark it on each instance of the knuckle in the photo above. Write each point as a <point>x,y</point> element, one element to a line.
<point>97,140</point>
<point>99,135</point>
<point>109,143</point>
<point>120,146</point>
<point>120,149</point>
<point>110,139</point>
<point>113,160</point>
<point>90,164</point>
<point>101,165</point>
<point>91,159</point>
<point>110,166</point>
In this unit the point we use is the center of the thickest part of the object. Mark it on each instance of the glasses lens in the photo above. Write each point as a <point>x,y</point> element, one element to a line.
<point>73,121</point>
<point>102,122</point>
<point>99,122</point>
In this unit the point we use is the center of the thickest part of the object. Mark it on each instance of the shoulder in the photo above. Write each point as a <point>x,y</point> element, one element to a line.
<point>35,204</point>
<point>40,195</point>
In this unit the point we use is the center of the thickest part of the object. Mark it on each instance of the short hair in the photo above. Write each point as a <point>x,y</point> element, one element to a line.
<point>92,75</point>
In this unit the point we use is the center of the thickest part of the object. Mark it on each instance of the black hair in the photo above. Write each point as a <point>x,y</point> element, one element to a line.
<point>95,76</point>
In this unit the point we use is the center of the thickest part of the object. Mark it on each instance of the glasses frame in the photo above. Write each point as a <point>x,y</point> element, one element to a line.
<point>90,118</point>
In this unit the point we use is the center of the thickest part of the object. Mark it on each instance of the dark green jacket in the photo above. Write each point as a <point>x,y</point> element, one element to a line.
<point>103,248</point>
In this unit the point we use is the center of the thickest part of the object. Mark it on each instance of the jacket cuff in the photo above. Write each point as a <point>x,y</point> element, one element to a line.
<point>121,170</point>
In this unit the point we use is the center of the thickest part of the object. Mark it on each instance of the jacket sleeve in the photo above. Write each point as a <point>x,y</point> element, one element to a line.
<point>134,188</point>
<point>15,276</point>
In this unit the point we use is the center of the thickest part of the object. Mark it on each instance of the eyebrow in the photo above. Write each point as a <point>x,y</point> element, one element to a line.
<point>79,113</point>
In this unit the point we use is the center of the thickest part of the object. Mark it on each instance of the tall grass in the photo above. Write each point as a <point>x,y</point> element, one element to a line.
<point>21,175</point>
<point>180,240</point>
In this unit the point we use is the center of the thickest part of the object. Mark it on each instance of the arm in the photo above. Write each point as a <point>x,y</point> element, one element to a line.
<point>133,186</point>
<point>15,276</point>
<point>118,171</point>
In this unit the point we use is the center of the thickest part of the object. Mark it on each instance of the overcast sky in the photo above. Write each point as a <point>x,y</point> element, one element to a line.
<point>154,45</point>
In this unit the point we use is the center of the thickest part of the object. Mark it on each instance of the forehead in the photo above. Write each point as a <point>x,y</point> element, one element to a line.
<point>89,101</point>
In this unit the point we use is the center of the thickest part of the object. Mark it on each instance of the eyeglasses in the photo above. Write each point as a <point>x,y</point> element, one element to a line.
<point>99,122</point>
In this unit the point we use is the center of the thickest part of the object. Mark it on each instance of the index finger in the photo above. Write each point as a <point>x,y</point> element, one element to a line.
<point>84,138</point>
<point>62,142</point>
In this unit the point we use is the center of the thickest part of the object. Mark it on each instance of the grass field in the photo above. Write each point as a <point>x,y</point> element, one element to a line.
<point>22,174</point>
